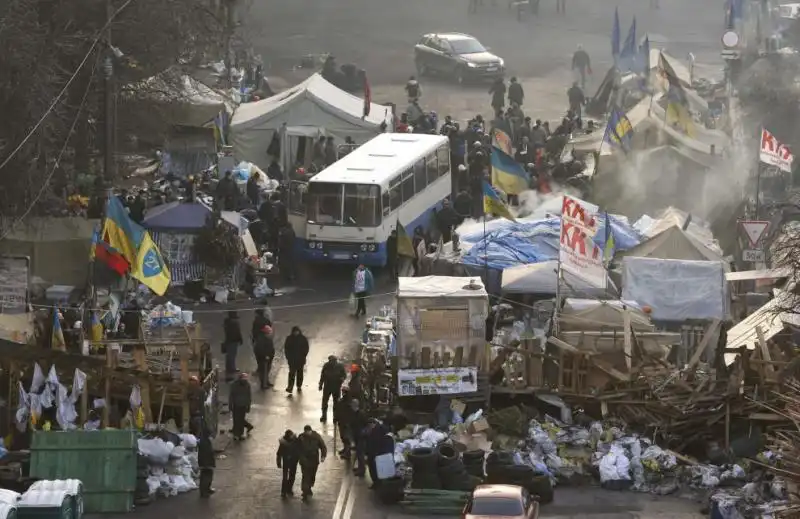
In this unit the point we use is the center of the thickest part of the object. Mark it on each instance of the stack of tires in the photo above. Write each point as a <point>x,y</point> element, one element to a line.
<point>473,462</point>
<point>500,469</point>
<point>452,471</point>
<point>424,468</point>
<point>141,496</point>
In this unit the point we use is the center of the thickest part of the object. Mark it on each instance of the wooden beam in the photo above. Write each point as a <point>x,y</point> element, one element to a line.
<point>704,344</point>
<point>765,354</point>
<point>611,370</point>
<point>563,346</point>
<point>628,343</point>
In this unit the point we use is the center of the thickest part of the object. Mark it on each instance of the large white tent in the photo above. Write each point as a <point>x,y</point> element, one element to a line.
<point>311,109</point>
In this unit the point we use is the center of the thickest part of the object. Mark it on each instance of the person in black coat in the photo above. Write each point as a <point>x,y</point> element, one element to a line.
<point>233,339</point>
<point>260,320</point>
<point>288,456</point>
<point>391,254</point>
<point>296,350</point>
<point>379,441</point>
<point>343,413</point>
<point>239,400</point>
<point>207,462</point>
<point>331,379</point>
<point>264,351</point>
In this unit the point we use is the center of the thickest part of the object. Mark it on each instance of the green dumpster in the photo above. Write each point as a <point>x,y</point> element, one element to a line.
<point>103,462</point>
<point>45,504</point>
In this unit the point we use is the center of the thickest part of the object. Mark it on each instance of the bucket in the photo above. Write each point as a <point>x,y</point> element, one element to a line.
<point>187,316</point>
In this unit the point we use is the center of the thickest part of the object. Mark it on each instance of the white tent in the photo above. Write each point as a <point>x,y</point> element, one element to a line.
<point>542,278</point>
<point>313,108</point>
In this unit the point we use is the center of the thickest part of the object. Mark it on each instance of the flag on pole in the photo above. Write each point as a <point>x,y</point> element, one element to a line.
<point>97,327</point>
<point>57,341</point>
<point>677,112</point>
<point>405,247</point>
<point>137,247</point>
<point>367,96</point>
<point>507,174</point>
<point>105,253</point>
<point>619,131</point>
<point>493,204</point>
<point>610,246</point>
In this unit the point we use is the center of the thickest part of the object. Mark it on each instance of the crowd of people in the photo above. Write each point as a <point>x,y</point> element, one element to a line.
<point>342,388</point>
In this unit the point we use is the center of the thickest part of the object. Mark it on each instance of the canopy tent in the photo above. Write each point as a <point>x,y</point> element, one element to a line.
<point>440,286</point>
<point>542,278</point>
<point>174,229</point>
<point>313,108</point>
<point>673,243</point>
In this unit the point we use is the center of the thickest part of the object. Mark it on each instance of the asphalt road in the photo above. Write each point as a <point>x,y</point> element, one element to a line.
<point>247,479</point>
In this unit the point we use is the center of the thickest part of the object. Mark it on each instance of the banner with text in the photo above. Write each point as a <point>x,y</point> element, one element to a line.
<point>578,252</point>
<point>437,381</point>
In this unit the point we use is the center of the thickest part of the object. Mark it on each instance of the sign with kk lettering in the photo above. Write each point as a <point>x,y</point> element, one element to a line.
<point>774,152</point>
<point>578,253</point>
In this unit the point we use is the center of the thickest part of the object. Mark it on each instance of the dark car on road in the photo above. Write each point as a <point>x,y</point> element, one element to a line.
<point>456,55</point>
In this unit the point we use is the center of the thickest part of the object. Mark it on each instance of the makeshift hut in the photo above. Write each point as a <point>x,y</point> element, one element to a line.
<point>298,116</point>
<point>175,227</point>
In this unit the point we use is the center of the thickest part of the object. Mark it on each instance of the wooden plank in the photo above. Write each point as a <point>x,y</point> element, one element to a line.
<point>446,359</point>
<point>704,344</point>
<point>425,357</point>
<point>458,360</point>
<point>473,357</point>
<point>627,341</point>
<point>555,341</point>
<point>769,370</point>
<point>437,361</point>
<point>611,370</point>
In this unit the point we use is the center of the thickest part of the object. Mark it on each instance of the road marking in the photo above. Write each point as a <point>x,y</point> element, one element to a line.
<point>343,501</point>
<point>351,500</point>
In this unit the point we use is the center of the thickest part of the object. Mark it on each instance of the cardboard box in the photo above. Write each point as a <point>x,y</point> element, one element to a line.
<point>479,425</point>
<point>458,406</point>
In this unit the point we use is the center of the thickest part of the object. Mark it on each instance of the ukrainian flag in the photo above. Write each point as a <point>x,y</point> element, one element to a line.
<point>493,204</point>
<point>57,341</point>
<point>97,327</point>
<point>405,247</point>
<point>619,131</point>
<point>136,246</point>
<point>502,141</point>
<point>677,103</point>
<point>507,174</point>
<point>610,246</point>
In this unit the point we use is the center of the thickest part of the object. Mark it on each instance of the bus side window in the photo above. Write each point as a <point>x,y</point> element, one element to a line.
<point>396,197</point>
<point>387,203</point>
<point>432,167</point>
<point>444,159</point>
<point>407,185</point>
<point>419,176</point>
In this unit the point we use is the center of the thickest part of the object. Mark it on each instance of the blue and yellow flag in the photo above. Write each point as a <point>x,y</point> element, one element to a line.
<point>97,327</point>
<point>507,174</point>
<point>57,341</point>
<point>610,246</point>
<point>493,204</point>
<point>405,247</point>
<point>502,141</point>
<point>136,246</point>
<point>619,131</point>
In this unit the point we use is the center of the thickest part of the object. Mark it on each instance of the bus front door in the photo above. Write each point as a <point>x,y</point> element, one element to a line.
<point>297,210</point>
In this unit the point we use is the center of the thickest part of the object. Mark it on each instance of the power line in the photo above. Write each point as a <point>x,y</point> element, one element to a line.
<point>66,87</point>
<point>58,159</point>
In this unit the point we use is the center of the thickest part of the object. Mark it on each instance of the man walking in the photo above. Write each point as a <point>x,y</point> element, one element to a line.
<point>362,286</point>
<point>288,456</point>
<point>207,462</point>
<point>239,402</point>
<point>232,341</point>
<point>582,63</point>
<point>330,383</point>
<point>264,351</point>
<point>295,348</point>
<point>312,452</point>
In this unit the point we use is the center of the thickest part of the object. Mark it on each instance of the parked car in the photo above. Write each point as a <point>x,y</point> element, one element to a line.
<point>459,56</point>
<point>491,501</point>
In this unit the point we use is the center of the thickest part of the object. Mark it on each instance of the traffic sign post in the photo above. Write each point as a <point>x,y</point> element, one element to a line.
<point>755,230</point>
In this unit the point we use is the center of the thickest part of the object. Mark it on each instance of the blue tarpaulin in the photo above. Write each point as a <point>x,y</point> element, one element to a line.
<point>508,244</point>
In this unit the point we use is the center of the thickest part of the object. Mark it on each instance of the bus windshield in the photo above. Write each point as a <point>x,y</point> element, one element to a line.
<point>345,205</point>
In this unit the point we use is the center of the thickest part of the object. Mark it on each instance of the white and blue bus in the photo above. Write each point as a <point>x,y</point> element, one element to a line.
<point>345,213</point>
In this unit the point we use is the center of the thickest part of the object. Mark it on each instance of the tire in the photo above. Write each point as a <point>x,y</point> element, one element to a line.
<point>461,75</point>
<point>423,458</point>
<point>542,487</point>
<point>452,469</point>
<point>476,455</point>
<point>500,458</point>
<point>517,472</point>
<point>390,490</point>
<point>447,454</point>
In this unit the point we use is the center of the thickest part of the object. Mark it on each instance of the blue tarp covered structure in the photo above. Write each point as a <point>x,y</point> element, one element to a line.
<point>508,244</point>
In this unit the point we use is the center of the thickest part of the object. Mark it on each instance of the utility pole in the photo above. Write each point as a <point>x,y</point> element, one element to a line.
<point>108,101</point>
